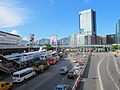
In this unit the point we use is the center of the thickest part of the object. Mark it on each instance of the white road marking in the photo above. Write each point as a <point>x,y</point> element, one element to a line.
<point>116,65</point>
<point>99,76</point>
<point>111,76</point>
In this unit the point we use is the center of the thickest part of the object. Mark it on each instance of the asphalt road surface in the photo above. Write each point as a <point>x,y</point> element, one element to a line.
<point>102,73</point>
<point>48,79</point>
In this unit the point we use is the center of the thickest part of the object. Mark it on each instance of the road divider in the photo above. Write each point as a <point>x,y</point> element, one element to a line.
<point>79,78</point>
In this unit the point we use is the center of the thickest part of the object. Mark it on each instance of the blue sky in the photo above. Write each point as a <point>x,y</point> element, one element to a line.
<point>61,17</point>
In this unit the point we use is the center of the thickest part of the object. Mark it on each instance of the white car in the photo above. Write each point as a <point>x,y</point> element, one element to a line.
<point>74,61</point>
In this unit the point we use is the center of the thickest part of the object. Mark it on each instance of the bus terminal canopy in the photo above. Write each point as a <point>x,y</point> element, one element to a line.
<point>81,46</point>
<point>35,46</point>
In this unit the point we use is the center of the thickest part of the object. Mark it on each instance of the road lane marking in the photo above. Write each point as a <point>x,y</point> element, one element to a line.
<point>99,76</point>
<point>116,65</point>
<point>110,75</point>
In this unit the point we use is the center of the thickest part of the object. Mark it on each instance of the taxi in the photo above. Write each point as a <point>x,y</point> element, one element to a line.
<point>5,85</point>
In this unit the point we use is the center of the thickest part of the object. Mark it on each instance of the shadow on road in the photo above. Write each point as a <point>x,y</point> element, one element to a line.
<point>85,75</point>
<point>3,75</point>
<point>80,85</point>
<point>86,72</point>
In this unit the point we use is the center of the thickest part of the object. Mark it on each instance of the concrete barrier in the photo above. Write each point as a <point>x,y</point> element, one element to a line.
<point>81,73</point>
<point>76,83</point>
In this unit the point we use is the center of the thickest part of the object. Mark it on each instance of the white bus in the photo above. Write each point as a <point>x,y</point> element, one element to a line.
<point>22,75</point>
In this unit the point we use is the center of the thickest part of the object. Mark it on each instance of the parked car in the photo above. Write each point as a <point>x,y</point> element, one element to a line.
<point>71,74</point>
<point>62,87</point>
<point>64,70</point>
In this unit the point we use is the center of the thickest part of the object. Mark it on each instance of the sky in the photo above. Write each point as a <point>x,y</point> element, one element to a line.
<point>60,17</point>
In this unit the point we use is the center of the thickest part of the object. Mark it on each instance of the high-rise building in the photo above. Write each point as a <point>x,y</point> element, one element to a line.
<point>118,32</point>
<point>111,39</point>
<point>88,21</point>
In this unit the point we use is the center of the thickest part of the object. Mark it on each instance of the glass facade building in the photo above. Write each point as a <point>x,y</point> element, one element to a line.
<point>118,32</point>
<point>87,21</point>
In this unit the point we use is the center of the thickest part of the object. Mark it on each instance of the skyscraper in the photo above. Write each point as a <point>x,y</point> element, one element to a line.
<point>87,21</point>
<point>118,32</point>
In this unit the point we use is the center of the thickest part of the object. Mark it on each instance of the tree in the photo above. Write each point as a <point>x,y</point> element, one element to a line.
<point>48,47</point>
<point>114,47</point>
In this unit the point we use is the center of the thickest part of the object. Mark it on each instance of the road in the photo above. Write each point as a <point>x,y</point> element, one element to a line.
<point>48,79</point>
<point>102,73</point>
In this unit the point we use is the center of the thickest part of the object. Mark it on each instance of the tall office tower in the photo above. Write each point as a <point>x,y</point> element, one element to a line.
<point>118,32</point>
<point>87,19</point>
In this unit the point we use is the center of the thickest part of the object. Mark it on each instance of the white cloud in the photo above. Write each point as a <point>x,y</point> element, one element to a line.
<point>17,33</point>
<point>11,14</point>
<point>24,38</point>
<point>14,32</point>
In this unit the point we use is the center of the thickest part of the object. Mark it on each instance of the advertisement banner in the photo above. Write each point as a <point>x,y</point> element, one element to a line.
<point>53,40</point>
<point>31,37</point>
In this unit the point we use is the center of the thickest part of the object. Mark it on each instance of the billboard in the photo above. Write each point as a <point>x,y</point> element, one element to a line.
<point>31,37</point>
<point>53,40</point>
